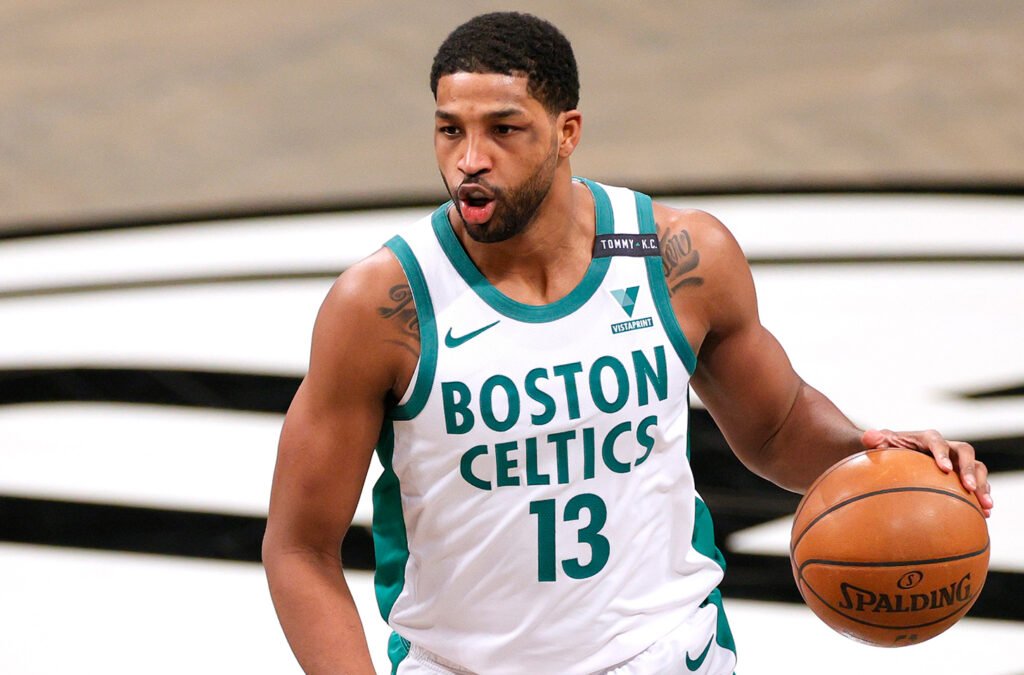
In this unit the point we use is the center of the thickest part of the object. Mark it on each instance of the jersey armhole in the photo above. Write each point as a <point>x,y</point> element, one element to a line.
<point>659,287</point>
<point>423,376</point>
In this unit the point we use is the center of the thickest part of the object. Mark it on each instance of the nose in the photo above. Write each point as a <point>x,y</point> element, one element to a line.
<point>475,157</point>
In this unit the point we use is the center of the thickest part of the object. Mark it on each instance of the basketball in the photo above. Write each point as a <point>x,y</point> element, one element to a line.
<point>888,549</point>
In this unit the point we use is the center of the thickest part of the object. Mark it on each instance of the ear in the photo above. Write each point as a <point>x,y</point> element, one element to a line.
<point>570,127</point>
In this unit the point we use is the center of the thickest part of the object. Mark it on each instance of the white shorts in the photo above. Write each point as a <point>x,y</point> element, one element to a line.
<point>678,653</point>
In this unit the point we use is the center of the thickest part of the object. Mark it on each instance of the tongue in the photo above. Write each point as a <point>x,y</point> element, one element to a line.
<point>476,215</point>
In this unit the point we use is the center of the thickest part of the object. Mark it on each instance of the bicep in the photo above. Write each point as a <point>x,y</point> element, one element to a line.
<point>779,427</point>
<point>332,425</point>
<point>743,375</point>
<point>323,457</point>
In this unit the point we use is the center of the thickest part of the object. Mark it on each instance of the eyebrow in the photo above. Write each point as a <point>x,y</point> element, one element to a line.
<point>501,113</point>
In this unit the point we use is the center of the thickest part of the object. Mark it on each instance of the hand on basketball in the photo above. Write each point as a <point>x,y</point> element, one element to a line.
<point>949,455</point>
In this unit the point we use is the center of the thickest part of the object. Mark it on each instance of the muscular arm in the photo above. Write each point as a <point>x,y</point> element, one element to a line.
<point>362,342</point>
<point>779,426</point>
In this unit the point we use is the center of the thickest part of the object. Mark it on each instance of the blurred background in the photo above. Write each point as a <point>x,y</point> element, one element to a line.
<point>114,109</point>
<point>181,181</point>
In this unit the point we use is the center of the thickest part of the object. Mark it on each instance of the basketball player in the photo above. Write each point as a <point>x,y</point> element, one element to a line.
<point>521,364</point>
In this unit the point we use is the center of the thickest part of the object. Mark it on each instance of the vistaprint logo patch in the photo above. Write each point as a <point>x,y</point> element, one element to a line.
<point>626,297</point>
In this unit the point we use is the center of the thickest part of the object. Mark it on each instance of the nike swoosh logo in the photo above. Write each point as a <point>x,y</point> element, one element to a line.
<point>693,664</point>
<point>451,341</point>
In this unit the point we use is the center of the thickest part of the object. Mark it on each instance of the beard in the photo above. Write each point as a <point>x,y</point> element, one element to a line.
<point>514,209</point>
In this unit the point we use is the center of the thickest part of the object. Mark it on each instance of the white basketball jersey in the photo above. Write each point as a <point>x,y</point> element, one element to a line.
<point>537,512</point>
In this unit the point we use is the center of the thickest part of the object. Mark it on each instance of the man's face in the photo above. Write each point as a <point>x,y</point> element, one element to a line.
<point>497,149</point>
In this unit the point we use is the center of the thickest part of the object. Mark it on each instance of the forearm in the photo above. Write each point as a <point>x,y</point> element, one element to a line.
<point>814,435</point>
<point>781,428</point>
<point>317,612</point>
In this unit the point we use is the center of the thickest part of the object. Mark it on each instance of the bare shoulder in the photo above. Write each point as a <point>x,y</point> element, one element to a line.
<point>706,271</point>
<point>694,244</point>
<point>368,321</point>
<point>376,292</point>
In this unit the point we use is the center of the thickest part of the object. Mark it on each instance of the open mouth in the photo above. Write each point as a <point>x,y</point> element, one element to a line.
<point>475,194</point>
<point>477,201</point>
<point>476,204</point>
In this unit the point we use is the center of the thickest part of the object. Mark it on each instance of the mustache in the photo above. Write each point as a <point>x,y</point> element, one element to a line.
<point>478,181</point>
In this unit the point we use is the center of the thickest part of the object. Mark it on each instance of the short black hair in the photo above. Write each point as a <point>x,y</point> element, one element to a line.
<point>512,43</point>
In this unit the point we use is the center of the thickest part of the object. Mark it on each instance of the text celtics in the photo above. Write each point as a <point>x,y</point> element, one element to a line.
<point>499,406</point>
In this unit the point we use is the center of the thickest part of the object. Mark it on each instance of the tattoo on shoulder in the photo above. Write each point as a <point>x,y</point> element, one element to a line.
<point>678,259</point>
<point>402,312</point>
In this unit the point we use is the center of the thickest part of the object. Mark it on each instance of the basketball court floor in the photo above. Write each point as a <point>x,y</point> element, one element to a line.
<point>905,309</point>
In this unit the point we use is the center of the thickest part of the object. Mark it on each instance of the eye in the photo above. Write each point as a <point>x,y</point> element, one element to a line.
<point>448,130</point>
<point>504,129</point>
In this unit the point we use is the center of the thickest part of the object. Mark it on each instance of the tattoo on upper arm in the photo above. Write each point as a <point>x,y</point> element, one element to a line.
<point>402,312</point>
<point>678,259</point>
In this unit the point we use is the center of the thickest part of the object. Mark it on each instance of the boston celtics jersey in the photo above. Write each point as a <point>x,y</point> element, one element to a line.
<point>537,512</point>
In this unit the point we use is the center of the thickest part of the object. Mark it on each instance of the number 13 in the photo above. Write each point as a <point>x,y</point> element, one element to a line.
<point>589,535</point>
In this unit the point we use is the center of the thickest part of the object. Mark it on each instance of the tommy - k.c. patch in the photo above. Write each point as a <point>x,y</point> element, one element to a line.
<point>630,245</point>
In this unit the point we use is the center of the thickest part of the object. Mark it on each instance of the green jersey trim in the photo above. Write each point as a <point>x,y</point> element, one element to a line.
<point>428,331</point>
<point>659,287</point>
<point>390,540</point>
<point>501,303</point>
<point>398,650</point>
<point>704,543</point>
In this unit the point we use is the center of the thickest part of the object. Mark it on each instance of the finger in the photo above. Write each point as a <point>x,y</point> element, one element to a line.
<point>966,465</point>
<point>940,450</point>
<point>984,491</point>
